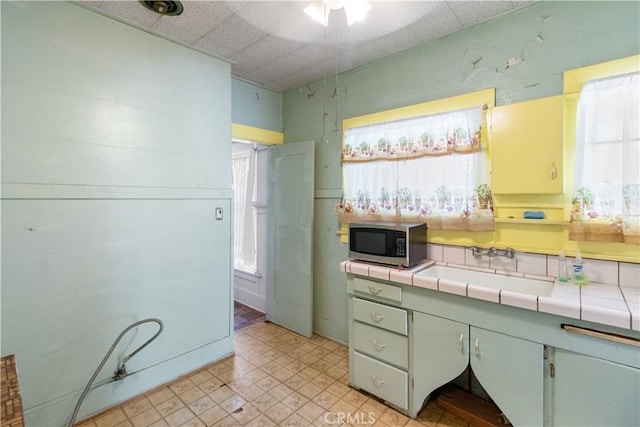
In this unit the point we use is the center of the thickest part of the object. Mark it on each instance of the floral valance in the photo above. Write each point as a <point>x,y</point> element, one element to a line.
<point>435,171</point>
<point>432,135</point>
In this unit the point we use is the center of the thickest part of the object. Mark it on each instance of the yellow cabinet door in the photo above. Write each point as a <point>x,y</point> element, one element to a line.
<point>527,147</point>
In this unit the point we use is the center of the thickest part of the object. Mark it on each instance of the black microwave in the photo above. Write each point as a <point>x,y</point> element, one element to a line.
<point>388,243</point>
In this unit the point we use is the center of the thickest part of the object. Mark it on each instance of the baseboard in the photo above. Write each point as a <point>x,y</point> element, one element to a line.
<point>250,299</point>
<point>57,413</point>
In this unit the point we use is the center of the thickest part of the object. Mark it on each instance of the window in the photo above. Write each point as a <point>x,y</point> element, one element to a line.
<point>430,169</point>
<point>606,199</point>
<point>243,168</point>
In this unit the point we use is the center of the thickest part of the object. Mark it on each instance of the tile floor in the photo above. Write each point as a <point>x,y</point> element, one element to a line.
<point>275,378</point>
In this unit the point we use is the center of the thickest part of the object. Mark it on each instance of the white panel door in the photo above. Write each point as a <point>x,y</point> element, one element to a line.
<point>290,237</point>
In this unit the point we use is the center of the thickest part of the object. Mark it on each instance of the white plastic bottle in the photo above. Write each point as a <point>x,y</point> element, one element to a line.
<point>578,270</point>
<point>563,273</point>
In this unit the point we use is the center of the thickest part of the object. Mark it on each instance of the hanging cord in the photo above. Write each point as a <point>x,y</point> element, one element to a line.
<point>336,91</point>
<point>324,91</point>
<point>121,372</point>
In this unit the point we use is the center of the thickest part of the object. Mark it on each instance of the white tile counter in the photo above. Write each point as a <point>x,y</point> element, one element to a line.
<point>608,304</point>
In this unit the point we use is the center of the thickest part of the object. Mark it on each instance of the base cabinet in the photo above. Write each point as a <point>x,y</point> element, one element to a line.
<point>588,391</point>
<point>405,345</point>
<point>510,369</point>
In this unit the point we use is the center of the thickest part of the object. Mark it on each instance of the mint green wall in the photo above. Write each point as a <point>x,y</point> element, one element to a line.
<point>255,106</point>
<point>551,37</point>
<point>115,155</point>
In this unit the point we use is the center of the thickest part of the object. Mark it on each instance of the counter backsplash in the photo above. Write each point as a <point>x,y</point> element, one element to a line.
<point>530,264</point>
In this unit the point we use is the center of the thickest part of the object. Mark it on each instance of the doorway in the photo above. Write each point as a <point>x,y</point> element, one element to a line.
<point>249,170</point>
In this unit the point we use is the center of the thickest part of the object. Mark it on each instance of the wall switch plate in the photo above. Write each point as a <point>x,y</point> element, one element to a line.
<point>218,214</point>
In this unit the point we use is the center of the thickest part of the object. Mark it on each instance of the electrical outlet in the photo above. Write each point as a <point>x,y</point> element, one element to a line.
<point>218,214</point>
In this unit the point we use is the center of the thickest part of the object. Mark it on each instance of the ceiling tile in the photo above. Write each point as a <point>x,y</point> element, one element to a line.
<point>367,51</point>
<point>473,12</point>
<point>131,11</point>
<point>438,23</point>
<point>284,19</point>
<point>354,58</point>
<point>265,50</point>
<point>236,5</point>
<point>284,66</point>
<point>275,44</point>
<point>312,53</point>
<point>384,19</point>
<point>231,36</point>
<point>197,19</point>
<point>295,80</point>
<point>270,16</point>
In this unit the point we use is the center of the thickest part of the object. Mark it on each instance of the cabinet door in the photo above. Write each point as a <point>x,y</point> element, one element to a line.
<point>594,392</point>
<point>439,351</point>
<point>527,147</point>
<point>511,370</point>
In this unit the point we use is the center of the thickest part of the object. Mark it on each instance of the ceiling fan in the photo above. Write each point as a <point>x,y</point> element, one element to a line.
<point>356,10</point>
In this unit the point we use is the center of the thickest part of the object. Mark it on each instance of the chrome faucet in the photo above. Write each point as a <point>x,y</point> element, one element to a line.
<point>492,252</point>
<point>475,252</point>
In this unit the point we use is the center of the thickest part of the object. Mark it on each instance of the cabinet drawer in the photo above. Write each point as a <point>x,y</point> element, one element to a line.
<point>377,289</point>
<point>381,344</point>
<point>380,379</point>
<point>380,315</point>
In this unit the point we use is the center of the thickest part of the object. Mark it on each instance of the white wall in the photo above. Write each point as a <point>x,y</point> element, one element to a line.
<point>115,155</point>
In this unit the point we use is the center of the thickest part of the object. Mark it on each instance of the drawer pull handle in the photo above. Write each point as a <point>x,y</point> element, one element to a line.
<point>554,171</point>
<point>377,382</point>
<point>376,317</point>
<point>374,290</point>
<point>476,348</point>
<point>378,346</point>
<point>461,343</point>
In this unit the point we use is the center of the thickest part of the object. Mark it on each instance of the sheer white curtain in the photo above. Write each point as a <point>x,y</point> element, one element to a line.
<point>606,203</point>
<point>430,169</point>
<point>243,167</point>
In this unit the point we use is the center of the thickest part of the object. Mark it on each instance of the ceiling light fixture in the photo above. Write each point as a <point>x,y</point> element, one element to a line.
<point>163,7</point>
<point>356,10</point>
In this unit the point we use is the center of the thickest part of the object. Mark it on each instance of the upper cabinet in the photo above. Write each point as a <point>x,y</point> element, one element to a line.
<point>527,147</point>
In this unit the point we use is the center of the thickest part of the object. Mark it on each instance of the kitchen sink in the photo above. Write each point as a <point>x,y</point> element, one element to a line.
<point>497,281</point>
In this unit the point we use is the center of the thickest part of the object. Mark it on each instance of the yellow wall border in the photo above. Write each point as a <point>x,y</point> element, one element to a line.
<point>485,97</point>
<point>574,79</point>
<point>257,135</point>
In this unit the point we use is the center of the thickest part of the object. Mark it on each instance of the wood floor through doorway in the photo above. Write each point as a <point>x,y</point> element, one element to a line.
<point>244,316</point>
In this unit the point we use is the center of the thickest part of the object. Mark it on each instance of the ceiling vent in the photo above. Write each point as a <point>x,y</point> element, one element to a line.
<point>163,7</point>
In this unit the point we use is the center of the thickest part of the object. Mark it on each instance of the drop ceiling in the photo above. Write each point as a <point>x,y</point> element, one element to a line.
<point>276,45</point>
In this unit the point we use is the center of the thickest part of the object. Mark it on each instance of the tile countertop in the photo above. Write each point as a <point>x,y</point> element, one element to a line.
<point>606,304</point>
